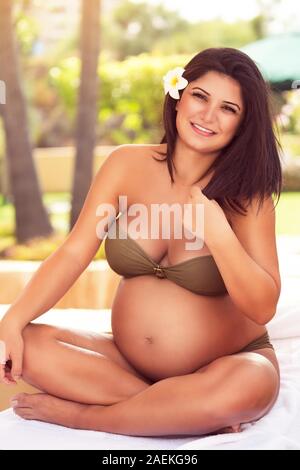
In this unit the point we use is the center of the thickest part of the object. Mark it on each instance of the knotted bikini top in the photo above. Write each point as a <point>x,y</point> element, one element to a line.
<point>199,275</point>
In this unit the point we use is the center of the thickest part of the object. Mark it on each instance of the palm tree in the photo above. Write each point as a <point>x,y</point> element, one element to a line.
<point>30,214</point>
<point>87,105</point>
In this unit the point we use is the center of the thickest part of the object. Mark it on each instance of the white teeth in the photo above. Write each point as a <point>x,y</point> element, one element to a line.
<point>203,128</point>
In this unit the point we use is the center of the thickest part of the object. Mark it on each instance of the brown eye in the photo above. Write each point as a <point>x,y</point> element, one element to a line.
<point>228,108</point>
<point>199,95</point>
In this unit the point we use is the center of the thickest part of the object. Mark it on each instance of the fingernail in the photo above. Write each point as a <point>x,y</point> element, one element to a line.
<point>17,377</point>
<point>14,403</point>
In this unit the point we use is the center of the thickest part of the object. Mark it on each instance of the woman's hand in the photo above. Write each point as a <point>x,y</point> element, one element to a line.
<point>11,352</point>
<point>214,221</point>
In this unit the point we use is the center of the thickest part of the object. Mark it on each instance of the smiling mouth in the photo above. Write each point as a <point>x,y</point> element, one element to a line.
<point>202,130</point>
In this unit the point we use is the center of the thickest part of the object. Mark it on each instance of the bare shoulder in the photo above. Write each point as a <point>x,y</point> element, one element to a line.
<point>125,158</point>
<point>142,151</point>
<point>140,157</point>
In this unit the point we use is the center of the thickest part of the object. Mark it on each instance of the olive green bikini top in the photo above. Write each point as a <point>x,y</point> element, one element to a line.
<point>199,275</point>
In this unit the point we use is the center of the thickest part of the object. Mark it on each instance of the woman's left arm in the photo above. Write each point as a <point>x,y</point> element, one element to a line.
<point>245,254</point>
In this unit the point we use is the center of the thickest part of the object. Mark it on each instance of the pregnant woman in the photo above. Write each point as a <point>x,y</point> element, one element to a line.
<point>189,352</point>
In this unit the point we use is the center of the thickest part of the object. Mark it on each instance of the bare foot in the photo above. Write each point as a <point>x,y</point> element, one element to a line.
<point>44,407</point>
<point>229,429</point>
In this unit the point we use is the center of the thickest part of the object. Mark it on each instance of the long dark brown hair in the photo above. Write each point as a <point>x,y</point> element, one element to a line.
<point>249,166</point>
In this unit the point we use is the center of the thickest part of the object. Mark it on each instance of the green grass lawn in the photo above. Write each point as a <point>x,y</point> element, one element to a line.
<point>287,223</point>
<point>59,218</point>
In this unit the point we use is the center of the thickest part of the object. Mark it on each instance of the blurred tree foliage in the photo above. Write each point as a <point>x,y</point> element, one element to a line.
<point>26,32</point>
<point>133,28</point>
<point>139,43</point>
<point>130,105</point>
<point>289,118</point>
<point>213,33</point>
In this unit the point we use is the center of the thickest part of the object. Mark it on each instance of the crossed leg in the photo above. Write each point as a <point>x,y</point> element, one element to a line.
<point>78,366</point>
<point>231,390</point>
<point>228,391</point>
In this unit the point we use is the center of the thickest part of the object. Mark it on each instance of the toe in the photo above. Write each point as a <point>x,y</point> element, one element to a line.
<point>230,429</point>
<point>20,400</point>
<point>236,428</point>
<point>19,396</point>
<point>25,400</point>
<point>24,413</point>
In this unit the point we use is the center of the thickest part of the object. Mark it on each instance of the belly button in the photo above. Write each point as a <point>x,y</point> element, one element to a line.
<point>149,339</point>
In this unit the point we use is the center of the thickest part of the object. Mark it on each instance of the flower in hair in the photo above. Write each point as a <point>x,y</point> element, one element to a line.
<point>174,81</point>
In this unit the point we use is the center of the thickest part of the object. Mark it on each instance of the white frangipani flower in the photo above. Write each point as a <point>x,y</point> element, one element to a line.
<point>174,81</point>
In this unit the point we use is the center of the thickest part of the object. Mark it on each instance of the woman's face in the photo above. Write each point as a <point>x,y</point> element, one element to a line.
<point>213,102</point>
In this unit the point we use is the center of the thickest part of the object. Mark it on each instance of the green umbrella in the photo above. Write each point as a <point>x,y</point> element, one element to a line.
<point>278,58</point>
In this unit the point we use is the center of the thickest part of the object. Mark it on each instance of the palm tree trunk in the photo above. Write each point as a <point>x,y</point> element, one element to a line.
<point>30,215</point>
<point>87,105</point>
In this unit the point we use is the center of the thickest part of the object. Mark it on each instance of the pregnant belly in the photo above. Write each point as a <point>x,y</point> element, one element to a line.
<point>165,330</point>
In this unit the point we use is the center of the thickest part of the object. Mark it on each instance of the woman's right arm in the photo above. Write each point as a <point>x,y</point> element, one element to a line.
<point>60,270</point>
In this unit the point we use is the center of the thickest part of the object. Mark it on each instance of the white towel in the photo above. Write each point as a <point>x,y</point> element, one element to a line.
<point>279,429</point>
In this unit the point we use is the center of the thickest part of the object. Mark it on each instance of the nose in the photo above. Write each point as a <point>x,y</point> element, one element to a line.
<point>208,114</point>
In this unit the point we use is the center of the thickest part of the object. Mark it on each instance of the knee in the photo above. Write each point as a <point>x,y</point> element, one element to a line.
<point>256,396</point>
<point>35,335</point>
<point>34,331</point>
<point>36,340</point>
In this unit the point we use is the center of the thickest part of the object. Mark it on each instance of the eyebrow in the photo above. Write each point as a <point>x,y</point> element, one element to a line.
<point>229,102</point>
